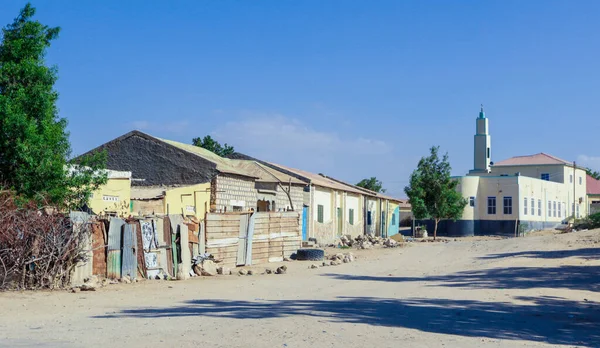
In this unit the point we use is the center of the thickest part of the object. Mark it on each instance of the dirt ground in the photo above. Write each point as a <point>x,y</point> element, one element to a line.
<point>535,291</point>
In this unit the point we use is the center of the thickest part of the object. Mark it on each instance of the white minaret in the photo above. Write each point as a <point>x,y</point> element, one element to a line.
<point>483,145</point>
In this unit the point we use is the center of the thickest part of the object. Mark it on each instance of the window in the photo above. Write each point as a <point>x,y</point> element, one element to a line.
<point>554,209</point>
<point>549,209</point>
<point>539,207</point>
<point>491,205</point>
<point>546,176</point>
<point>471,201</point>
<point>559,210</point>
<point>237,208</point>
<point>573,209</point>
<point>320,213</point>
<point>525,206</point>
<point>110,198</point>
<point>369,218</point>
<point>532,207</point>
<point>578,211</point>
<point>571,178</point>
<point>507,205</point>
<point>393,219</point>
<point>351,216</point>
<point>580,180</point>
<point>488,152</point>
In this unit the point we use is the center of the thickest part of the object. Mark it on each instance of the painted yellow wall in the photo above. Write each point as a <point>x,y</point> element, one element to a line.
<point>114,196</point>
<point>189,200</point>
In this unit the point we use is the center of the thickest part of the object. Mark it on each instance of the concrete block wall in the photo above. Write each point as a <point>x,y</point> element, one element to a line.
<point>232,187</point>
<point>297,194</point>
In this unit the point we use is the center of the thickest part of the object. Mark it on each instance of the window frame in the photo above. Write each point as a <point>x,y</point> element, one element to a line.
<point>491,208</point>
<point>539,207</point>
<point>525,205</point>
<point>320,213</point>
<point>507,209</point>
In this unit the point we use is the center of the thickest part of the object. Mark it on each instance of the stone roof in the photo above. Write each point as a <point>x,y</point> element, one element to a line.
<point>592,186</point>
<point>537,159</point>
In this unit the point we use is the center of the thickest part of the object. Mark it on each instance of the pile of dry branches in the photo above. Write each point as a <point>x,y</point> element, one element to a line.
<point>38,248</point>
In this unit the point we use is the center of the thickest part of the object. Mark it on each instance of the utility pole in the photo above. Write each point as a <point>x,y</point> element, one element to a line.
<point>574,195</point>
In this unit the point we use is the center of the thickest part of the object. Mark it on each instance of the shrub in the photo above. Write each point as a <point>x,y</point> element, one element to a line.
<point>39,248</point>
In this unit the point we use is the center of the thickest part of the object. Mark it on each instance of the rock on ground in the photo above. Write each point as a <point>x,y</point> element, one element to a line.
<point>209,268</point>
<point>224,270</point>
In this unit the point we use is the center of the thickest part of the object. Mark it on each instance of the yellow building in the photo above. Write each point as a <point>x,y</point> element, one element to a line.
<point>191,200</point>
<point>113,198</point>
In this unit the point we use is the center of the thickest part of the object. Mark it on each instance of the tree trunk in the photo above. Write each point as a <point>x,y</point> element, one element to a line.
<point>435,228</point>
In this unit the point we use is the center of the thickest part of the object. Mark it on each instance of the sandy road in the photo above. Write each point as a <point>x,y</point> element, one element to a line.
<point>526,292</point>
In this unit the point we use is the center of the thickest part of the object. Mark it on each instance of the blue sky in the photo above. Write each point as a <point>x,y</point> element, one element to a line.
<point>347,88</point>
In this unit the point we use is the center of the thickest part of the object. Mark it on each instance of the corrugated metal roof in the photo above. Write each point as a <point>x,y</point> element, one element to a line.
<point>537,159</point>
<point>263,173</point>
<point>224,165</point>
<point>592,186</point>
<point>322,181</point>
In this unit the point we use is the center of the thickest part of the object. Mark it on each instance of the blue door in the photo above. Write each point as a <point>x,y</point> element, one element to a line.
<point>304,223</point>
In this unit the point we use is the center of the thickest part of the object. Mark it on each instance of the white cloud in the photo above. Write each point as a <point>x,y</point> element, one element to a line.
<point>287,141</point>
<point>589,161</point>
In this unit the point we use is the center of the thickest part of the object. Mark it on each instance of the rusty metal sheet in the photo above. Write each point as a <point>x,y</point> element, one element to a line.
<point>129,252</point>
<point>167,238</point>
<point>99,249</point>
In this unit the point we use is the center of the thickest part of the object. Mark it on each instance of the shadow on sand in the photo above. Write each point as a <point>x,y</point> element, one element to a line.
<point>546,319</point>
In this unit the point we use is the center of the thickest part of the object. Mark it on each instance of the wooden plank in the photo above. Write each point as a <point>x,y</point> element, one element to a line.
<point>215,223</point>
<point>216,251</point>
<point>223,229</point>
<point>225,235</point>
<point>222,217</point>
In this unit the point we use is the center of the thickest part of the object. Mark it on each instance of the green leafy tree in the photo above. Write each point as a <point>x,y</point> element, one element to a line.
<point>372,184</point>
<point>594,174</point>
<point>432,192</point>
<point>34,144</point>
<point>212,145</point>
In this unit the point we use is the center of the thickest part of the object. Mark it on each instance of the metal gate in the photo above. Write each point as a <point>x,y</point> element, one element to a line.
<point>129,253</point>
<point>243,240</point>
<point>304,223</point>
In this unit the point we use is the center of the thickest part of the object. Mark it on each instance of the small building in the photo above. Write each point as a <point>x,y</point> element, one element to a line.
<point>517,194</point>
<point>592,194</point>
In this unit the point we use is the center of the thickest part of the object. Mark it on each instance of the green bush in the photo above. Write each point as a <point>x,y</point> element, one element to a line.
<point>590,222</point>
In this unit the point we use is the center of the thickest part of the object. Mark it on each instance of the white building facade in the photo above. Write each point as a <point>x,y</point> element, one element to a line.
<point>516,195</point>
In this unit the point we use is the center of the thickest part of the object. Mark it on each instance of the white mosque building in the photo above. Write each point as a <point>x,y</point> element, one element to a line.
<point>521,193</point>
